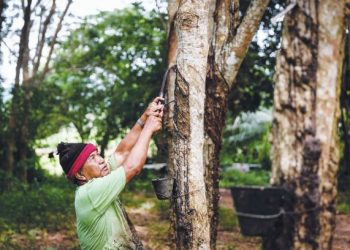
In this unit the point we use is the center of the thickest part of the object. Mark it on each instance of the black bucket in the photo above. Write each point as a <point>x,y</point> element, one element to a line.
<point>163,187</point>
<point>259,209</point>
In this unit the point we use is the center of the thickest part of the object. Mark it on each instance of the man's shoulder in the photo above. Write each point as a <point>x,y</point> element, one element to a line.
<point>113,161</point>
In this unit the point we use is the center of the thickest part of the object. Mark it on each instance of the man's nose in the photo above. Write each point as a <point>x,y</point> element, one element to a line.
<point>101,160</point>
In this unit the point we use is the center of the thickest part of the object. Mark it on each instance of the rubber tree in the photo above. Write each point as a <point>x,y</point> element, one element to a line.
<point>229,36</point>
<point>305,120</point>
<point>191,27</point>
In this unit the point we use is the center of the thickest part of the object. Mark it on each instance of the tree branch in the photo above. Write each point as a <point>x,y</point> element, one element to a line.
<point>41,42</point>
<point>173,6</point>
<point>36,5</point>
<point>160,15</point>
<point>2,6</point>
<point>13,53</point>
<point>235,51</point>
<point>226,21</point>
<point>24,39</point>
<point>58,28</point>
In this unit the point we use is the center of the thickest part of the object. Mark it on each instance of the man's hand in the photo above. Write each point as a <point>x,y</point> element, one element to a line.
<point>153,108</point>
<point>154,121</point>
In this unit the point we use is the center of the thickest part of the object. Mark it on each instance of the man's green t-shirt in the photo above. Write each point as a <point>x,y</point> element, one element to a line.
<point>100,220</point>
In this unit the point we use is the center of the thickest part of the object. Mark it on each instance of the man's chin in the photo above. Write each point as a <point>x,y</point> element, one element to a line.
<point>105,172</point>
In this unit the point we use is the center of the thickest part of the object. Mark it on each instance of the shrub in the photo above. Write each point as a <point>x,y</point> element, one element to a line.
<point>238,178</point>
<point>343,203</point>
<point>49,205</point>
<point>227,219</point>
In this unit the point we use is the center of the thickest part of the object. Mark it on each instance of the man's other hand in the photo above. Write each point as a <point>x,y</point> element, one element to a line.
<point>154,122</point>
<point>154,107</point>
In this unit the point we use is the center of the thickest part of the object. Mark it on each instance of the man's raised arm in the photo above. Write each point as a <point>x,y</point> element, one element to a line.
<point>125,146</point>
<point>135,160</point>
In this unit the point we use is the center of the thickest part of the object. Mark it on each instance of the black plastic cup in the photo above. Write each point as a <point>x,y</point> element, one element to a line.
<point>163,187</point>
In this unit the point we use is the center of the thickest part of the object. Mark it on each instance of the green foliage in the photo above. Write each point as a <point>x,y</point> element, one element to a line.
<point>247,139</point>
<point>3,124</point>
<point>108,70</point>
<point>227,219</point>
<point>139,190</point>
<point>39,205</point>
<point>133,199</point>
<point>159,235</point>
<point>142,182</point>
<point>253,92</point>
<point>343,202</point>
<point>162,208</point>
<point>238,178</point>
<point>254,87</point>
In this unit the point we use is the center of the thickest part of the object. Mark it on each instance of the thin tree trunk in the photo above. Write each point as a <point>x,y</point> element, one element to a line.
<point>135,238</point>
<point>346,150</point>
<point>344,100</point>
<point>192,226</point>
<point>306,110</point>
<point>13,119</point>
<point>41,40</point>
<point>23,145</point>
<point>2,18</point>
<point>24,39</point>
<point>54,39</point>
<point>173,6</point>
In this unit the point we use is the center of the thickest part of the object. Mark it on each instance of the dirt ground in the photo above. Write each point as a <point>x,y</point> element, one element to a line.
<point>154,232</point>
<point>228,239</point>
<point>232,239</point>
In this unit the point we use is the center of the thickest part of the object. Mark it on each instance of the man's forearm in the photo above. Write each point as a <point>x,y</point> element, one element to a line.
<point>137,156</point>
<point>125,146</point>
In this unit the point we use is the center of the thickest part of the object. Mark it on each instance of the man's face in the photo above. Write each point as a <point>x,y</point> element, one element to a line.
<point>95,166</point>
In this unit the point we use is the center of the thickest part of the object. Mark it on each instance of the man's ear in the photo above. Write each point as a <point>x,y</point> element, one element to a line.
<point>79,176</point>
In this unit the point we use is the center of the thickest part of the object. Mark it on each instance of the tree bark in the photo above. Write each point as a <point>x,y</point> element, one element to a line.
<point>190,206</point>
<point>230,40</point>
<point>173,6</point>
<point>306,110</point>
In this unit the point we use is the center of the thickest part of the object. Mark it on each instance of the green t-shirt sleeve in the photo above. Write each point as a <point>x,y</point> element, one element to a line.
<point>112,161</point>
<point>103,191</point>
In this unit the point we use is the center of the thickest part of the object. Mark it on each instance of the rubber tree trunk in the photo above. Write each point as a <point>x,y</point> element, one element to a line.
<point>190,206</point>
<point>229,37</point>
<point>306,110</point>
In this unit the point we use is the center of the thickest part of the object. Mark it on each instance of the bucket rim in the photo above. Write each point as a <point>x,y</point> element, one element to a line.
<point>255,187</point>
<point>163,179</point>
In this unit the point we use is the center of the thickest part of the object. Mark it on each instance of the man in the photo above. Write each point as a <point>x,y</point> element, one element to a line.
<point>101,223</point>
